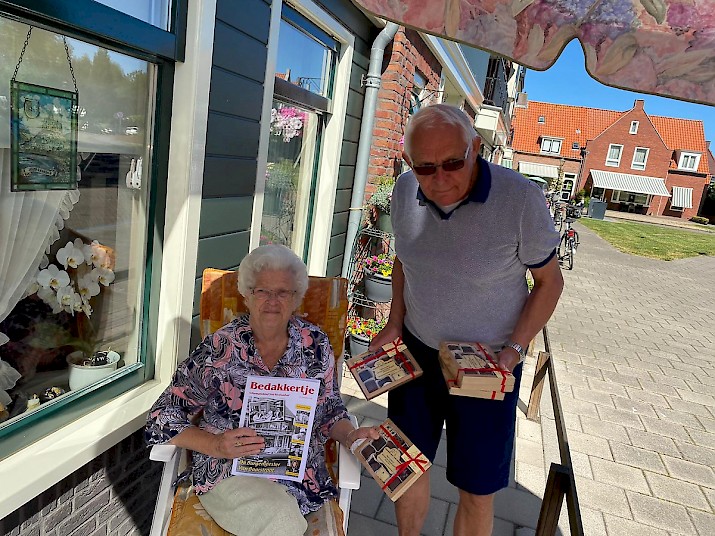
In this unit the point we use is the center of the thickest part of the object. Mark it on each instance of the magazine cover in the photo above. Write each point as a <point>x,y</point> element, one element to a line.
<point>392,460</point>
<point>281,410</point>
<point>473,365</point>
<point>384,369</point>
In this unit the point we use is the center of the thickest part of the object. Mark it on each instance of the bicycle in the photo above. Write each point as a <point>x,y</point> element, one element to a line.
<point>559,215</point>
<point>568,244</point>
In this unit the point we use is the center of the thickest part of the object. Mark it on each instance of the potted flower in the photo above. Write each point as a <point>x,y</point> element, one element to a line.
<point>380,202</point>
<point>361,331</point>
<point>377,272</point>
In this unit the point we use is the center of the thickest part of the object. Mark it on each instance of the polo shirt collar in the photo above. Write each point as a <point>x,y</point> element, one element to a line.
<point>478,194</point>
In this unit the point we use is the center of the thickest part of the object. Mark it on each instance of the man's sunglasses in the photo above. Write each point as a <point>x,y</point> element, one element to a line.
<point>449,165</point>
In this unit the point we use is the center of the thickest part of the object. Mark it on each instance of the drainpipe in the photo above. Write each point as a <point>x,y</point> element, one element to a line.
<point>372,86</point>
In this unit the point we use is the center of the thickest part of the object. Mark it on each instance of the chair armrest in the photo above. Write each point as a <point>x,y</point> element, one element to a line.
<point>170,456</point>
<point>163,453</point>
<point>348,466</point>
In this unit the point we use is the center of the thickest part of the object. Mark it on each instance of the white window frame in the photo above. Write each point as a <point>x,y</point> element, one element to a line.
<point>676,209</point>
<point>634,128</point>
<point>326,188</point>
<point>636,165</point>
<point>614,163</point>
<point>547,141</point>
<point>686,154</point>
<point>42,464</point>
<point>566,194</point>
<point>616,198</point>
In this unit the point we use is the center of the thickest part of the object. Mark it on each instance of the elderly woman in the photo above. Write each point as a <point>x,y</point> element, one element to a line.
<point>269,341</point>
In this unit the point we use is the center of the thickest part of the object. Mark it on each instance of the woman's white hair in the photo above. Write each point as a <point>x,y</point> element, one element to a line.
<point>439,114</point>
<point>272,257</point>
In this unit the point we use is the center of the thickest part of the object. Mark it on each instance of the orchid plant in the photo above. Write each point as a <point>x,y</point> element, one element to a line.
<point>380,264</point>
<point>79,275</point>
<point>365,327</point>
<point>287,121</point>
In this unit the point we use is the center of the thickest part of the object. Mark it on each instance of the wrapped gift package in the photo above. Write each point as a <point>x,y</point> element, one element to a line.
<point>471,367</point>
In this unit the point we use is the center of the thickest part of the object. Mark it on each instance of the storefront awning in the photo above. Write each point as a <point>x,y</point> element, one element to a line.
<point>538,170</point>
<point>682,197</point>
<point>625,182</point>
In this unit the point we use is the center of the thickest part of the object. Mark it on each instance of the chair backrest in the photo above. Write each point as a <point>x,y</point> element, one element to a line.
<point>325,304</point>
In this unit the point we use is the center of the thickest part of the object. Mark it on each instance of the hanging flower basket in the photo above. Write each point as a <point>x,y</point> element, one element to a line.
<point>378,277</point>
<point>358,345</point>
<point>384,223</point>
<point>361,332</point>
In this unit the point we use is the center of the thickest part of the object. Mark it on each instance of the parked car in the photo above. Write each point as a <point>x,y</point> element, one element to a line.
<point>131,131</point>
<point>106,131</point>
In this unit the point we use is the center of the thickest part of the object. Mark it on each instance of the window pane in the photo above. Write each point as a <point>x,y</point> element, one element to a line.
<point>289,176</point>
<point>155,12</point>
<point>72,261</point>
<point>303,60</point>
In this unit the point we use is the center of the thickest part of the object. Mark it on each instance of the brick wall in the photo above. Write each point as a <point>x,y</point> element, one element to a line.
<point>406,54</point>
<point>114,494</point>
<point>699,185</point>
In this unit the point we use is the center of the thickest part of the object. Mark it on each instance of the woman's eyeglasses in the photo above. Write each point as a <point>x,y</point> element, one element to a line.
<point>449,165</point>
<point>264,294</point>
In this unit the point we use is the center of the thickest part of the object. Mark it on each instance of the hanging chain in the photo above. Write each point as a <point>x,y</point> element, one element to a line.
<point>17,67</point>
<point>69,61</point>
<point>22,53</point>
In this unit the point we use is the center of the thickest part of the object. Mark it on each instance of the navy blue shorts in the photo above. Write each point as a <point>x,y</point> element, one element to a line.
<point>480,432</point>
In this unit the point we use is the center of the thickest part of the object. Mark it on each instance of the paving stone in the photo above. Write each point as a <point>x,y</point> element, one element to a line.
<point>564,377</point>
<point>654,399</point>
<point>440,486</point>
<point>707,423</point>
<point>658,388</point>
<point>667,379</point>
<point>619,475</point>
<point>660,513</point>
<point>698,398</point>
<point>622,417</point>
<point>635,457</point>
<point>530,452</point>
<point>531,478</point>
<point>518,506</point>
<point>596,397</point>
<point>701,388</point>
<point>704,522</point>
<point>606,430</point>
<point>360,525</point>
<point>441,455</point>
<point>434,522</point>
<point>686,419</point>
<point>623,379</point>
<point>581,464</point>
<point>618,526</point>
<point>527,429</point>
<point>501,528</point>
<point>606,387</point>
<point>679,404</point>
<point>665,428</point>
<point>637,363</point>
<point>704,439</point>
<point>650,441</point>
<point>601,496</point>
<point>696,454</point>
<point>589,444</point>
<point>591,372</point>
<point>692,472</point>
<point>634,406</point>
<point>579,407</point>
<point>366,500</point>
<point>679,372</point>
<point>677,491</point>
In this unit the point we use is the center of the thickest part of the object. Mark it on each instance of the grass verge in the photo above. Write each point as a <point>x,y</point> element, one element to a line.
<point>653,241</point>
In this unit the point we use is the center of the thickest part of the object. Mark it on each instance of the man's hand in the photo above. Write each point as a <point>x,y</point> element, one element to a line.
<point>508,358</point>
<point>388,334</point>
<point>237,443</point>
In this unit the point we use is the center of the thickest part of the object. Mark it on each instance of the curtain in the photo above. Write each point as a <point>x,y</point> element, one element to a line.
<point>29,223</point>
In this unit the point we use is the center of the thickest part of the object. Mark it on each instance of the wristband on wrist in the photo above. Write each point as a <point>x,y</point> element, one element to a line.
<point>518,347</point>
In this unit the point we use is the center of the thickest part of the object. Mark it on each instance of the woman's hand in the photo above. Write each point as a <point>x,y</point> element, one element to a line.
<point>237,443</point>
<point>365,432</point>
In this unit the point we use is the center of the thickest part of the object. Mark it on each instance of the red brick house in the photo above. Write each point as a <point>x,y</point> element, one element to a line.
<point>633,161</point>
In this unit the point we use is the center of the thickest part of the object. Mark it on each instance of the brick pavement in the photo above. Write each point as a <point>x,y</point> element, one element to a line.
<point>634,343</point>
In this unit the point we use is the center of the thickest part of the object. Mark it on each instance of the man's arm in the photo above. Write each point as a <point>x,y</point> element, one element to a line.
<point>393,329</point>
<point>539,306</point>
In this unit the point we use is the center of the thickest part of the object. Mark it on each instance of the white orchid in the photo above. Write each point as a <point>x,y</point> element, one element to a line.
<point>87,309</point>
<point>53,277</point>
<point>71,254</point>
<point>49,296</point>
<point>88,287</point>
<point>69,299</point>
<point>103,275</point>
<point>94,254</point>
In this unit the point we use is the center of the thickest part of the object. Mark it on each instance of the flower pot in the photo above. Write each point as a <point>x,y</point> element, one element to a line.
<point>384,223</point>
<point>358,344</point>
<point>83,375</point>
<point>378,288</point>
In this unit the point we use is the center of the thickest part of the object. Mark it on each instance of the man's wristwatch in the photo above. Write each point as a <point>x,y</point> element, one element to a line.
<point>516,346</point>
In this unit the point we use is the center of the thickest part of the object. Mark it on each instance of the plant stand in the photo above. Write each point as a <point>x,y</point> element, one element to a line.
<point>378,288</point>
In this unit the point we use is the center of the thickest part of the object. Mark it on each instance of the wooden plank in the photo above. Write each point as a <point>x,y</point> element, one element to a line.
<point>556,487</point>
<point>232,136</point>
<point>537,387</point>
<point>253,17</point>
<point>229,176</point>
<point>221,252</point>
<point>225,215</point>
<point>235,95</point>
<point>239,53</point>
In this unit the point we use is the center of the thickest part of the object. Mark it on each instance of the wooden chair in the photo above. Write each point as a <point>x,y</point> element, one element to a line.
<point>179,512</point>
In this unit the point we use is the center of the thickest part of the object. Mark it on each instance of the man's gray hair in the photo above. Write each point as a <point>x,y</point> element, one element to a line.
<point>439,114</point>
<point>272,257</point>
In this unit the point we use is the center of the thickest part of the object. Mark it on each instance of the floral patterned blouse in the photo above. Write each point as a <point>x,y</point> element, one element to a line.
<point>213,379</point>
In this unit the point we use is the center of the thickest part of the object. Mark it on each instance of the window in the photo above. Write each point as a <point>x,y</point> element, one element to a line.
<point>507,162</point>
<point>551,145</point>
<point>619,196</point>
<point>74,280</point>
<point>568,186</point>
<point>689,161</point>
<point>418,92</point>
<point>542,119</point>
<point>634,127</point>
<point>575,146</point>
<point>155,12</point>
<point>640,157</point>
<point>614,155</point>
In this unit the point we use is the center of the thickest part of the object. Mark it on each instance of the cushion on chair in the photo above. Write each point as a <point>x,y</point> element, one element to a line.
<point>189,518</point>
<point>325,304</point>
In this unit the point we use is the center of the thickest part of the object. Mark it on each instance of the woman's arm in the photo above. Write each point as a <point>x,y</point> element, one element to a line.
<point>344,433</point>
<point>229,444</point>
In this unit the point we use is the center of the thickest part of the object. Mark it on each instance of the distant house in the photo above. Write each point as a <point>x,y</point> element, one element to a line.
<point>635,162</point>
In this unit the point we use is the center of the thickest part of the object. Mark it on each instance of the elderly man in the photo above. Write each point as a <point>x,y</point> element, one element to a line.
<point>466,231</point>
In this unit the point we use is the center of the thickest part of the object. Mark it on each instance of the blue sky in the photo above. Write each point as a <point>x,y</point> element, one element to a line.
<point>567,82</point>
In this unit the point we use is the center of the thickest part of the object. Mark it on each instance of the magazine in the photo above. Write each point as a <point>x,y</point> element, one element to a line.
<point>281,410</point>
<point>384,369</point>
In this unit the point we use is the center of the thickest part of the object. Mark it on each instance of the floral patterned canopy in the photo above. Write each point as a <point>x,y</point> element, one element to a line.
<point>664,47</point>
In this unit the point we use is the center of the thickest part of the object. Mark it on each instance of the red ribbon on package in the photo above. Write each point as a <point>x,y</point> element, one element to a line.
<point>420,460</point>
<point>393,346</point>
<point>504,373</point>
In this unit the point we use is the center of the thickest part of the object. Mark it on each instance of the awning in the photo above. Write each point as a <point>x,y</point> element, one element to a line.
<point>682,197</point>
<point>539,170</point>
<point>625,182</point>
